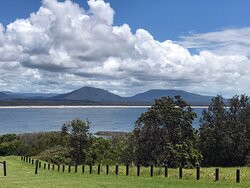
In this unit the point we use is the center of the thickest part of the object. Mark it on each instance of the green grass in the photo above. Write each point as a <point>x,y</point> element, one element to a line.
<point>21,174</point>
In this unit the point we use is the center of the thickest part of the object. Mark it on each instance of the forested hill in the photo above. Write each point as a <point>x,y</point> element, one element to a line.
<point>90,94</point>
<point>97,96</point>
<point>153,94</point>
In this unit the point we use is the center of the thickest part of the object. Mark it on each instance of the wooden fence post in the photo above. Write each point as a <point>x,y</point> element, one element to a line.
<point>90,169</point>
<point>53,167</point>
<point>40,164</point>
<point>166,171</point>
<point>238,175</point>
<point>138,170</point>
<point>69,168</point>
<point>98,169</point>
<point>4,168</point>
<point>107,169</point>
<point>198,172</point>
<point>36,168</point>
<point>151,170</point>
<point>26,159</point>
<point>217,175</point>
<point>29,159</point>
<point>75,168</point>
<point>127,169</point>
<point>63,168</point>
<point>180,172</point>
<point>83,168</point>
<point>116,169</point>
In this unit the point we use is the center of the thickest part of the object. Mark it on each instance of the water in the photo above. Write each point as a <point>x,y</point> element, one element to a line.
<point>24,120</point>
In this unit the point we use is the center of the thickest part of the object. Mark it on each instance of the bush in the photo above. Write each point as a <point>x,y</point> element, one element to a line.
<point>57,155</point>
<point>9,148</point>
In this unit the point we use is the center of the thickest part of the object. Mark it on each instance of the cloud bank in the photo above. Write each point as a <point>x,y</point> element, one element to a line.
<point>62,47</point>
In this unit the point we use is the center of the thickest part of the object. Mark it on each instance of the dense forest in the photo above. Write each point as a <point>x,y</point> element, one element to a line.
<point>162,136</point>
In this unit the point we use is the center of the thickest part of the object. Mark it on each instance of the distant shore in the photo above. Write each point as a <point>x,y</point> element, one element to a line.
<point>98,106</point>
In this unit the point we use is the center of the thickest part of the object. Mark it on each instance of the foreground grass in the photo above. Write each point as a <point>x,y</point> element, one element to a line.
<point>21,174</point>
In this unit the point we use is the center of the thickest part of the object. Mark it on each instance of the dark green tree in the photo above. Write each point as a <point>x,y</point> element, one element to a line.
<point>164,134</point>
<point>223,132</point>
<point>239,126</point>
<point>79,138</point>
<point>213,138</point>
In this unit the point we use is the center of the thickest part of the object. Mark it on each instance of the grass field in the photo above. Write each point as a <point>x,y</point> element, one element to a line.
<point>21,174</point>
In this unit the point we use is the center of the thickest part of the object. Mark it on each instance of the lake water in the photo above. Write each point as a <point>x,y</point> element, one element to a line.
<point>24,120</point>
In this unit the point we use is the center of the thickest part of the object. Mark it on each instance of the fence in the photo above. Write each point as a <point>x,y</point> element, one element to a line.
<point>4,168</point>
<point>47,166</point>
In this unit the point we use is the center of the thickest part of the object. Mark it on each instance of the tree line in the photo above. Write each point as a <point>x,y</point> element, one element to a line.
<point>163,135</point>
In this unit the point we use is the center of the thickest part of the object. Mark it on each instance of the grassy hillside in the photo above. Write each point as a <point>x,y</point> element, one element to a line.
<point>21,174</point>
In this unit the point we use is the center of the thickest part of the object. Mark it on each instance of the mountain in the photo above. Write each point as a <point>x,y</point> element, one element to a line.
<point>88,94</point>
<point>151,95</point>
<point>7,95</point>
<point>148,97</point>
<point>4,96</point>
<point>91,95</point>
<point>12,95</point>
<point>40,95</point>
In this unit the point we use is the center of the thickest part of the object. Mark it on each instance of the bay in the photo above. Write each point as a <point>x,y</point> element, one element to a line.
<point>35,119</point>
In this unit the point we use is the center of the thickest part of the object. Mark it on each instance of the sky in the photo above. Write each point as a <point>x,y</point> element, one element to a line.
<point>125,46</point>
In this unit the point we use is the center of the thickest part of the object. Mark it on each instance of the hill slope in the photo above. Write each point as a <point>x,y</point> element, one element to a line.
<point>151,95</point>
<point>27,96</point>
<point>88,94</point>
<point>4,96</point>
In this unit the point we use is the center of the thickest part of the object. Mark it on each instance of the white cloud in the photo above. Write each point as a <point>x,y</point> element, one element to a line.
<point>101,11</point>
<point>224,42</point>
<point>62,47</point>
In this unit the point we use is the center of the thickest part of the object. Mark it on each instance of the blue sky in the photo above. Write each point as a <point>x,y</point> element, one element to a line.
<point>125,46</point>
<point>164,19</point>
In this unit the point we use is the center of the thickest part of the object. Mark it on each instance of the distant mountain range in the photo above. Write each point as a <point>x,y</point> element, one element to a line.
<point>97,96</point>
<point>10,95</point>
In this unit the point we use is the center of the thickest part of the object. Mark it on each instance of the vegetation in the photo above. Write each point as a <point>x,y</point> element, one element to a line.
<point>225,132</point>
<point>78,139</point>
<point>162,136</point>
<point>21,174</point>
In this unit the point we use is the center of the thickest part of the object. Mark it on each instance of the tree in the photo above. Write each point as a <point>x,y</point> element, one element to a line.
<point>213,137</point>
<point>164,134</point>
<point>224,139</point>
<point>78,135</point>
<point>239,125</point>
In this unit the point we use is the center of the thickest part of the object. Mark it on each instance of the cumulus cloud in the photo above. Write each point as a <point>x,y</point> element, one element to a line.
<point>62,47</point>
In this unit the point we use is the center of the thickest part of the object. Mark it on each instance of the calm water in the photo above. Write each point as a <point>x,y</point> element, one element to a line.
<point>23,120</point>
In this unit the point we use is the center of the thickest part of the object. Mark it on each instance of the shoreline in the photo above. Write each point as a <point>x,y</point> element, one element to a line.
<point>97,106</point>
